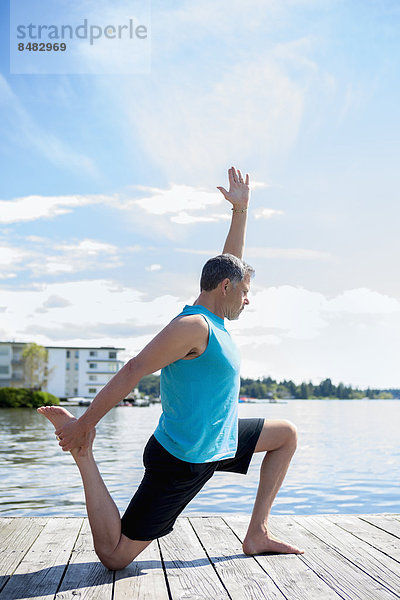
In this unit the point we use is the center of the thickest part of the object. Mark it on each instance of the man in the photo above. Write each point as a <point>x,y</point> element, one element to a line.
<point>198,431</point>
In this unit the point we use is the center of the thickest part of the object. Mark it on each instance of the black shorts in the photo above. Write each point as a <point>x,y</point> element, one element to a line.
<point>169,483</point>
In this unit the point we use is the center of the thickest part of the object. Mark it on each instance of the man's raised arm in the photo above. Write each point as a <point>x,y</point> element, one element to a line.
<point>239,196</point>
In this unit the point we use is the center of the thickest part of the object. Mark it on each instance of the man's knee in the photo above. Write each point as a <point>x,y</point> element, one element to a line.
<point>113,564</point>
<point>291,434</point>
<point>125,552</point>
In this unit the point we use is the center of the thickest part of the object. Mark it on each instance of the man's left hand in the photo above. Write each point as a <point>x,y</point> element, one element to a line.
<point>239,189</point>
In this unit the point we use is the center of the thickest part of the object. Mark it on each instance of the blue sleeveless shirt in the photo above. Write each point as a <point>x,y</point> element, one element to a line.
<point>199,398</point>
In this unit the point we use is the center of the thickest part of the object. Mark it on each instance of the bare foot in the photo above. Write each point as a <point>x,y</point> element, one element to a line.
<point>59,416</point>
<point>56,415</point>
<point>265,542</point>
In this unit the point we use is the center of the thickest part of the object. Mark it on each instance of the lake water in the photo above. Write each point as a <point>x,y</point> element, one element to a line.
<point>348,461</point>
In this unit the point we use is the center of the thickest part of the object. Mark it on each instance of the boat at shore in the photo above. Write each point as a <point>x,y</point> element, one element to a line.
<point>249,400</point>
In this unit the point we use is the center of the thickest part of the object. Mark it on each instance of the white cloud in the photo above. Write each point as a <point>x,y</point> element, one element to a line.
<point>176,199</point>
<point>11,256</point>
<point>154,267</point>
<point>294,311</point>
<point>35,239</point>
<point>198,252</point>
<point>258,184</point>
<point>289,332</point>
<point>6,93</point>
<point>181,204</point>
<point>247,101</point>
<point>295,52</point>
<point>289,254</point>
<point>53,266</point>
<point>302,314</point>
<point>88,247</point>
<point>266,213</point>
<point>25,132</point>
<point>183,218</point>
<point>31,208</point>
<point>285,332</point>
<point>87,312</point>
<point>363,301</point>
<point>72,258</point>
<point>273,253</point>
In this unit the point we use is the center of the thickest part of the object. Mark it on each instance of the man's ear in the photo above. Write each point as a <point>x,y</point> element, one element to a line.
<point>226,286</point>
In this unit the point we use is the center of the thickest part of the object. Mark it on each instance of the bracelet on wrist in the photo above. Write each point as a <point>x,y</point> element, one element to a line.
<point>239,210</point>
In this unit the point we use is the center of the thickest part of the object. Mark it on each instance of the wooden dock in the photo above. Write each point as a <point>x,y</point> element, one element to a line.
<point>346,557</point>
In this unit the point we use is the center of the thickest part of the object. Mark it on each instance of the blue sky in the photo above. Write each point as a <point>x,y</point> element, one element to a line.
<point>108,200</point>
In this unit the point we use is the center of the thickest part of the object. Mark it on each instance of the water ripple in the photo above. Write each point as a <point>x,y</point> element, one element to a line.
<point>348,461</point>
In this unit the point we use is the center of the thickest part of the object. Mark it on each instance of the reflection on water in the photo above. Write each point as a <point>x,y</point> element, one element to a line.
<point>348,461</point>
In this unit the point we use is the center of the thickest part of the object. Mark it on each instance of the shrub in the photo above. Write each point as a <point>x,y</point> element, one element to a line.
<point>24,398</point>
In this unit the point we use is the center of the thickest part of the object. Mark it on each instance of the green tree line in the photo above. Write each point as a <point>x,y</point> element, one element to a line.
<point>269,388</point>
<point>25,398</point>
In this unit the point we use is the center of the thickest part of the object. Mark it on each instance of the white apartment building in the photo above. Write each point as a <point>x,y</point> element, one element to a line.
<point>72,371</point>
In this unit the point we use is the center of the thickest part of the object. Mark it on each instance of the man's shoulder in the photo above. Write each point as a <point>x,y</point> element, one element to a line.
<point>190,329</point>
<point>190,322</point>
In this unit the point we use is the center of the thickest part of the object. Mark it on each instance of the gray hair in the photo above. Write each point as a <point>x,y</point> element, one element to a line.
<point>223,266</point>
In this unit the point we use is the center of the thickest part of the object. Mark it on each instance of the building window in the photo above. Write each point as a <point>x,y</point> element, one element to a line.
<point>75,390</point>
<point>112,355</point>
<point>92,365</point>
<point>93,353</point>
<point>92,377</point>
<point>67,366</point>
<point>4,370</point>
<point>112,367</point>
<point>92,390</point>
<point>76,366</point>
<point>68,353</point>
<point>4,351</point>
<point>76,353</point>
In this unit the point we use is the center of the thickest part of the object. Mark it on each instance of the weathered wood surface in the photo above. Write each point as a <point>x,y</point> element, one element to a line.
<point>350,557</point>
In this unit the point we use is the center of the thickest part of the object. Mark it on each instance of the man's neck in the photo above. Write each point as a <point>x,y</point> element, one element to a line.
<point>209,302</point>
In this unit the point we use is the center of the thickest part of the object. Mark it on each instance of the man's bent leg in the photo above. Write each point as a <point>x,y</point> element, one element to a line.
<point>279,439</point>
<point>114,549</point>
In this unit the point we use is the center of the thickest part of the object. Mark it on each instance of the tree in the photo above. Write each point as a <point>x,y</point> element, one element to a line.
<point>326,389</point>
<point>34,360</point>
<point>22,398</point>
<point>149,385</point>
<point>303,391</point>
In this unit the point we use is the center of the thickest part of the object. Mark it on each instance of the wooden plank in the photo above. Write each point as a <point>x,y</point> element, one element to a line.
<point>354,557</point>
<point>345,578</point>
<point>290,574</point>
<point>389,523</point>
<point>241,575</point>
<point>17,534</point>
<point>144,579</point>
<point>85,577</point>
<point>382,568</point>
<point>376,537</point>
<point>190,574</point>
<point>39,573</point>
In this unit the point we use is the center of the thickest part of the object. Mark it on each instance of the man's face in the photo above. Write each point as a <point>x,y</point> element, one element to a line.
<point>237,299</point>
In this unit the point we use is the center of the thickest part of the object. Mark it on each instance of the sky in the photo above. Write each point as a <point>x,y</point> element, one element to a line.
<point>108,199</point>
